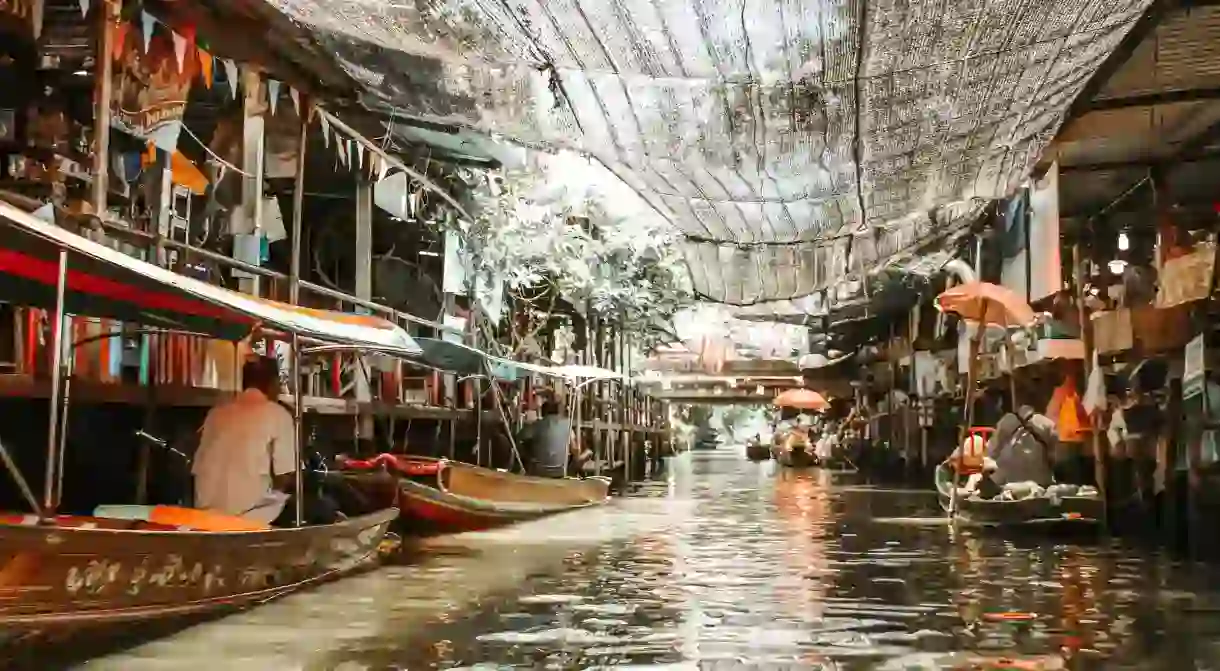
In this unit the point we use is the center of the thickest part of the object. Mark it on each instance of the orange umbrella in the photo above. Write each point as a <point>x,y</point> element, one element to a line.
<point>986,303</point>
<point>805,399</point>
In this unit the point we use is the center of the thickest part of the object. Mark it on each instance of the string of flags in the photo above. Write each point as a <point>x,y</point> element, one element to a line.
<point>190,52</point>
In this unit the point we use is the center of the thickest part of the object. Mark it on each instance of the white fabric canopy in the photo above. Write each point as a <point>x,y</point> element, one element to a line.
<point>791,142</point>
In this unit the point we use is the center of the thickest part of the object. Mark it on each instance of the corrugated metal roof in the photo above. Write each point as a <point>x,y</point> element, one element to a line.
<point>737,120</point>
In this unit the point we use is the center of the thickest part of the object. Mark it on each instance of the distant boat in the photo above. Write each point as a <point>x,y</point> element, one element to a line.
<point>437,496</point>
<point>793,450</point>
<point>756,450</point>
<point>706,439</point>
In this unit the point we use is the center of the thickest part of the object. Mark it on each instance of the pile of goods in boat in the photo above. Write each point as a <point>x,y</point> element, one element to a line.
<point>1018,491</point>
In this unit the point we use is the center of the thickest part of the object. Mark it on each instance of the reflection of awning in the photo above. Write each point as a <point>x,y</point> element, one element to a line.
<point>103,282</point>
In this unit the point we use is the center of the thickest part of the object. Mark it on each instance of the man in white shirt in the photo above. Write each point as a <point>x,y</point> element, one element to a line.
<point>247,457</point>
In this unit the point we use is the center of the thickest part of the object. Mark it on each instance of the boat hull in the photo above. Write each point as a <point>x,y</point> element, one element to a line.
<point>1035,512</point>
<point>758,452</point>
<point>440,496</point>
<point>92,571</point>
<point>795,457</point>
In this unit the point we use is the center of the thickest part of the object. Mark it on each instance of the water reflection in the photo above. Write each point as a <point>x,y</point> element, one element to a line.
<point>730,565</point>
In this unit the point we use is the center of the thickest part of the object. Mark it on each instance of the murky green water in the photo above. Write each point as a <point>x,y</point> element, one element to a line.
<point>730,565</point>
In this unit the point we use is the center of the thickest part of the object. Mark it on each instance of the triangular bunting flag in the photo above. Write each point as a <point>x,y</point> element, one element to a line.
<point>343,152</point>
<point>146,24</point>
<point>273,93</point>
<point>84,7</point>
<point>120,38</point>
<point>382,169</point>
<point>372,165</point>
<point>179,49</point>
<point>205,65</point>
<point>296,100</point>
<point>231,75</point>
<point>360,155</point>
<point>325,130</point>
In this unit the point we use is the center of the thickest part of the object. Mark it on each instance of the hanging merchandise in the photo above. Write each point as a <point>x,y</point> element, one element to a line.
<point>325,130</point>
<point>1095,389</point>
<point>1068,412</point>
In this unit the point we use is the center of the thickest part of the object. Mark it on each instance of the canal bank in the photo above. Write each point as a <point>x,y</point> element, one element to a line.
<point>734,565</point>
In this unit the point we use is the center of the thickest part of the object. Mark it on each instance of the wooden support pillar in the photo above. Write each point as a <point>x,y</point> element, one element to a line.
<point>364,291</point>
<point>106,16</point>
<point>629,410</point>
<point>247,219</point>
<point>1086,337</point>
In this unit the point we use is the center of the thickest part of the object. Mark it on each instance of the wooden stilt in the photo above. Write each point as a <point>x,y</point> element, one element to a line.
<point>1086,336</point>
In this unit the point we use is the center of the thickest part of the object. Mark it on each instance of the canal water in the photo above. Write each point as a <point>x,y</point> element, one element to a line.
<point>725,564</point>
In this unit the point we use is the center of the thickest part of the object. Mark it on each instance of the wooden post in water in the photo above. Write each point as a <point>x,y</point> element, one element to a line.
<point>1086,337</point>
<point>363,282</point>
<point>252,161</point>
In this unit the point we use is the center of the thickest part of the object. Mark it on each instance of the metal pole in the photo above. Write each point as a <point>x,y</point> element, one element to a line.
<point>294,297</point>
<point>57,345</point>
<point>63,425</point>
<point>298,491</point>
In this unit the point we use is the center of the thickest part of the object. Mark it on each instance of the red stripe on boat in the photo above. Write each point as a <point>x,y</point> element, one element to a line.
<point>393,462</point>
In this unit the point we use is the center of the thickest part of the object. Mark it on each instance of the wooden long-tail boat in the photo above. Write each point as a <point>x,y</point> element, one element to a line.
<point>80,571</point>
<point>757,451</point>
<point>793,450</point>
<point>438,496</point>
<point>60,573</point>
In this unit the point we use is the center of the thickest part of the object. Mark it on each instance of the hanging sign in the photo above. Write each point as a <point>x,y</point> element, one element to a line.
<point>1193,372</point>
<point>150,89</point>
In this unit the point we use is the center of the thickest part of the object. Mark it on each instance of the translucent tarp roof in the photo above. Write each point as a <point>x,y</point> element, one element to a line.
<point>747,123</point>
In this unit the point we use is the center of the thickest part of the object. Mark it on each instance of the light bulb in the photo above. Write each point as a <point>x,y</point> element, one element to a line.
<point>1124,243</point>
<point>1117,266</point>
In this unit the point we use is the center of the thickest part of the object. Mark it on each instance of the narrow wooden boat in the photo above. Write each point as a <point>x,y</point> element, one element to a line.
<point>1037,511</point>
<point>82,571</point>
<point>438,496</point>
<point>60,573</point>
<point>756,451</point>
<point>794,450</point>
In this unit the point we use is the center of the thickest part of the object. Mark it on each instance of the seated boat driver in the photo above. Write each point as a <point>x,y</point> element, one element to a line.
<point>246,457</point>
